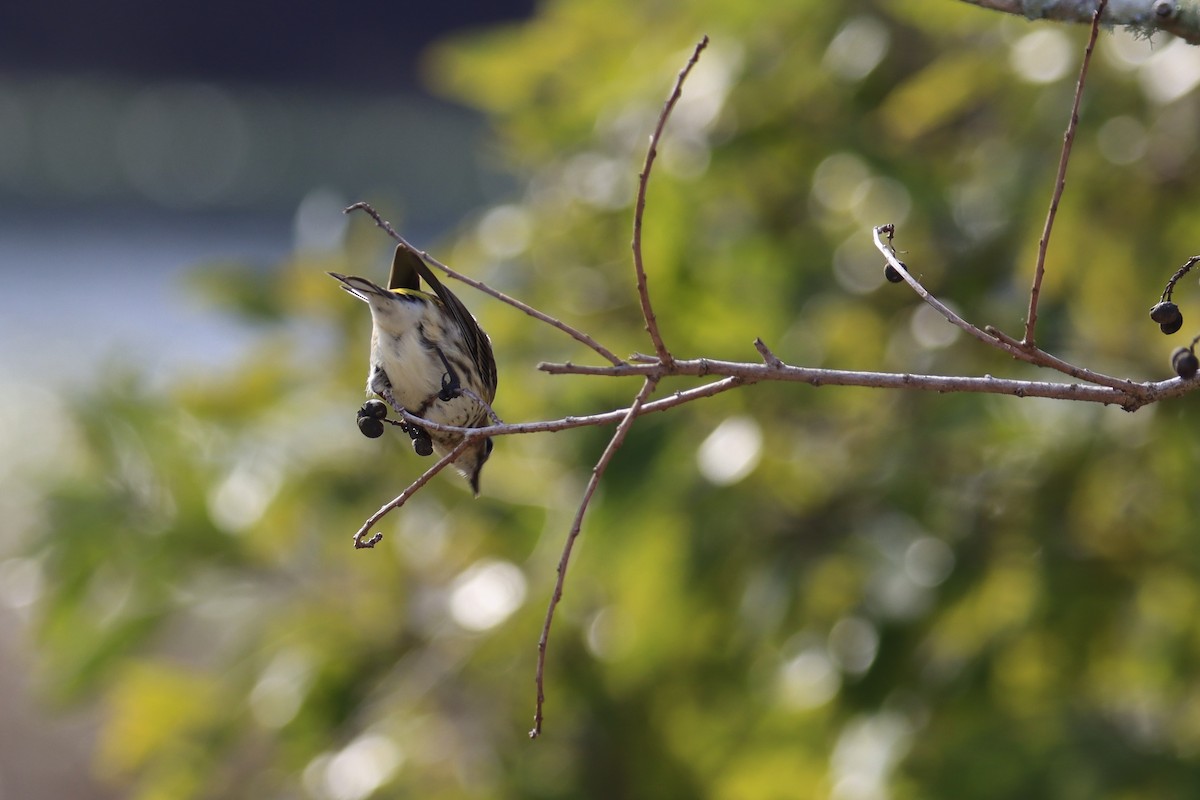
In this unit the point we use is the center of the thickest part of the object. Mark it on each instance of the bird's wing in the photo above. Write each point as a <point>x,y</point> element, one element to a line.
<point>406,265</point>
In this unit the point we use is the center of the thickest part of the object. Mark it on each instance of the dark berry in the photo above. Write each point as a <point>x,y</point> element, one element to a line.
<point>375,409</point>
<point>1172,326</point>
<point>370,427</point>
<point>1184,362</point>
<point>422,444</point>
<point>892,274</point>
<point>1165,312</point>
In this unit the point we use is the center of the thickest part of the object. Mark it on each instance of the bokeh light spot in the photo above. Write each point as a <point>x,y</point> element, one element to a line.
<point>808,680</point>
<point>928,561</point>
<point>319,223</point>
<point>856,49</point>
<point>486,594</point>
<point>1171,72</point>
<point>20,582</point>
<point>355,772</point>
<point>853,644</point>
<point>930,329</point>
<point>1122,140</point>
<point>277,695</point>
<point>731,452</point>
<point>504,231</point>
<point>837,180</point>
<point>1043,56</point>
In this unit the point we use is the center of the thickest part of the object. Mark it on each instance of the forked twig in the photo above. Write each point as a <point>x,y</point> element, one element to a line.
<point>996,338</point>
<point>1060,181</point>
<point>614,444</point>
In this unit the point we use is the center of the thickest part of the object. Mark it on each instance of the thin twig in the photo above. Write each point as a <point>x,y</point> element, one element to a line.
<point>614,444</point>
<point>660,347</point>
<point>1060,181</point>
<point>574,333</point>
<point>679,398</point>
<point>770,358</point>
<point>402,498</point>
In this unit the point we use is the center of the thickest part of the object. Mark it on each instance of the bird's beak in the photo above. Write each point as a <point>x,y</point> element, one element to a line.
<point>359,287</point>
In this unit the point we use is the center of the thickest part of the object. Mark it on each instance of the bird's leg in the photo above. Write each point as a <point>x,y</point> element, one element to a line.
<point>422,444</point>
<point>384,390</point>
<point>451,386</point>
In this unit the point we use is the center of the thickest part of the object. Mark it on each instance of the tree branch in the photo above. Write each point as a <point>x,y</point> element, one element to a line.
<point>1178,17</point>
<point>1131,396</point>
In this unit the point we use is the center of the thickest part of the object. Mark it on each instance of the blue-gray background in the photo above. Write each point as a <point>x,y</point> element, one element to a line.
<point>139,140</point>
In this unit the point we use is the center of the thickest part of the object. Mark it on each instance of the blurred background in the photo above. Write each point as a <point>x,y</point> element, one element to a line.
<point>780,592</point>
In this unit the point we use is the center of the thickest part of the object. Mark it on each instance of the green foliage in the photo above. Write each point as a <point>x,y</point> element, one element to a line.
<point>902,595</point>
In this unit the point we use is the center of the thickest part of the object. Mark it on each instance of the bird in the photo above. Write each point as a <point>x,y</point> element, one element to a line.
<point>430,357</point>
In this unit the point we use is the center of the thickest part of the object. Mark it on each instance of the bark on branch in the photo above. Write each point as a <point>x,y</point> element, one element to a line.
<point>1178,17</point>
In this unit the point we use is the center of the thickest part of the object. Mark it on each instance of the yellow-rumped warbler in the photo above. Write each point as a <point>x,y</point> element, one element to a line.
<point>430,357</point>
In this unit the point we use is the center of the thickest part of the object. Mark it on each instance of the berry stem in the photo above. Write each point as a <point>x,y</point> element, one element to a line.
<point>1178,276</point>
